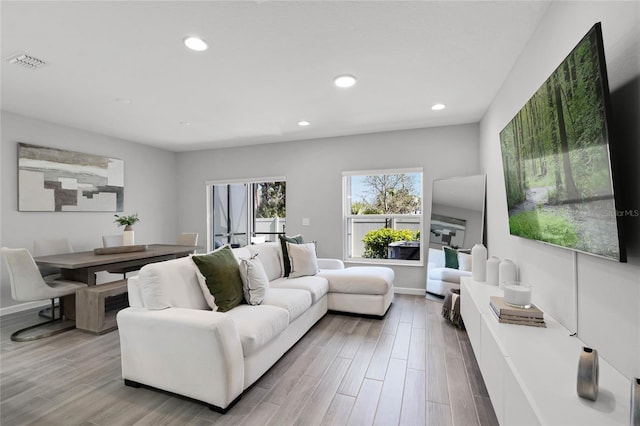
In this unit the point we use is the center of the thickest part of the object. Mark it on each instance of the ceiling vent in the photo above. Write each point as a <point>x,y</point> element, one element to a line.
<point>26,61</point>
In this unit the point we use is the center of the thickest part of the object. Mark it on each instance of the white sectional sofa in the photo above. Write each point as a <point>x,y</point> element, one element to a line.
<point>441,279</point>
<point>171,340</point>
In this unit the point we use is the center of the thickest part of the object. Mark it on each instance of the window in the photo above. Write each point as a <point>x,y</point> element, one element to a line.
<point>244,212</point>
<point>383,216</point>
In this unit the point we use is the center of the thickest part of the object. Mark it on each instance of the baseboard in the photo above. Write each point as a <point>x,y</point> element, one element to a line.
<point>23,307</point>
<point>408,290</point>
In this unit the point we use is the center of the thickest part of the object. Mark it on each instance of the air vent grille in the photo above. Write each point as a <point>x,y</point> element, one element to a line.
<point>26,61</point>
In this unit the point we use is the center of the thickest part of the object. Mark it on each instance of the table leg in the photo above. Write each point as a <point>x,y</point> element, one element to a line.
<point>69,303</point>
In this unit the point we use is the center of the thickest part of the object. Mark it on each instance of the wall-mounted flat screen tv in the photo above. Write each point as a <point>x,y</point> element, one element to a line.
<point>556,158</point>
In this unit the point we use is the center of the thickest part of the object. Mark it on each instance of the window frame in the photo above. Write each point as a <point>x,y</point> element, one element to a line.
<point>209,184</point>
<point>347,216</point>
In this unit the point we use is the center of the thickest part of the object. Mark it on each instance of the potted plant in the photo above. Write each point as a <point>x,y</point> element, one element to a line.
<point>128,222</point>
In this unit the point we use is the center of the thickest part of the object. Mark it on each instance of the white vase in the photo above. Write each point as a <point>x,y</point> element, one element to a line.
<point>507,272</point>
<point>479,262</point>
<point>128,237</point>
<point>493,266</point>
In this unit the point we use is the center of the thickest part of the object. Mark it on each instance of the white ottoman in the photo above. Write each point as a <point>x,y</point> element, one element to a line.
<point>365,290</point>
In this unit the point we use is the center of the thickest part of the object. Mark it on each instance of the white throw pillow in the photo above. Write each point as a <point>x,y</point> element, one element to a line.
<point>303,259</point>
<point>464,262</point>
<point>254,280</point>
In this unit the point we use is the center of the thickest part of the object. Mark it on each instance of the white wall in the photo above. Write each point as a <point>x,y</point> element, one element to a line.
<point>150,190</point>
<point>313,170</point>
<point>608,293</point>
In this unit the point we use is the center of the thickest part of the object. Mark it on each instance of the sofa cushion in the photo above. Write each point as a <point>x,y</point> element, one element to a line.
<point>258,325</point>
<point>172,283</point>
<point>316,286</point>
<point>242,253</point>
<point>284,239</point>
<point>436,257</point>
<point>450,257</point>
<point>303,260</point>
<point>254,280</point>
<point>295,301</point>
<point>359,279</point>
<point>222,273</point>
<point>270,256</point>
<point>464,262</point>
<point>448,274</point>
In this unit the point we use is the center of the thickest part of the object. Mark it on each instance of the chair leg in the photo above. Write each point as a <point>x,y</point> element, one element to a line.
<point>17,336</point>
<point>50,312</point>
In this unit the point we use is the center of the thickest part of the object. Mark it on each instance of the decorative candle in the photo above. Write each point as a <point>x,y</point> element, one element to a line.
<point>492,270</point>
<point>507,272</point>
<point>479,262</point>
<point>517,294</point>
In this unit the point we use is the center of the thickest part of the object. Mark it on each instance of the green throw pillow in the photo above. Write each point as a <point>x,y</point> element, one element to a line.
<point>221,270</point>
<point>450,258</point>
<point>296,239</point>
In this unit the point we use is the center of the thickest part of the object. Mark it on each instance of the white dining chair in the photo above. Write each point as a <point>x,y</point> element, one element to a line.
<point>48,247</point>
<point>28,285</point>
<point>188,239</point>
<point>112,240</point>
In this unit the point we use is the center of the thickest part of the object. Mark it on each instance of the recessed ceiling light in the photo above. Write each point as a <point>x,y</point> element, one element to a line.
<point>195,43</point>
<point>124,101</point>
<point>438,107</point>
<point>344,80</point>
<point>303,123</point>
<point>184,123</point>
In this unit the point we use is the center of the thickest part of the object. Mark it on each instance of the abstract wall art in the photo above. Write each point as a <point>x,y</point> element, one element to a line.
<point>52,179</point>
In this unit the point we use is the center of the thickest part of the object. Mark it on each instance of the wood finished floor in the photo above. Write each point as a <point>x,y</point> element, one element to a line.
<point>411,368</point>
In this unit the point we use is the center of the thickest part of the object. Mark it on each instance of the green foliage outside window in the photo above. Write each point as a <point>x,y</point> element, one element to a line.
<point>376,241</point>
<point>271,199</point>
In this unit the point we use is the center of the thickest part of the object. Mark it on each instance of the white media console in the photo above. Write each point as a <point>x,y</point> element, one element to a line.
<point>531,372</point>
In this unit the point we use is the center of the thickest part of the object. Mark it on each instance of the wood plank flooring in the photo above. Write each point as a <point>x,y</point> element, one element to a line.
<point>411,368</point>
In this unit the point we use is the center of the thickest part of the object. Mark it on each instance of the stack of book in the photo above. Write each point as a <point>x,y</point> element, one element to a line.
<point>509,314</point>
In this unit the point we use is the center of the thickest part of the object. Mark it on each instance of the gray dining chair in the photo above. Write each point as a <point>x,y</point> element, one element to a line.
<point>28,285</point>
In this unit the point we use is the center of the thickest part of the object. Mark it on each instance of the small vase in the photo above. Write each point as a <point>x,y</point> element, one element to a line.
<point>128,237</point>
<point>588,372</point>
<point>479,262</point>
<point>506,272</point>
<point>493,265</point>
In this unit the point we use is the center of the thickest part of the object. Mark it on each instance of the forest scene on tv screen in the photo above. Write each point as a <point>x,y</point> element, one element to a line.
<point>556,159</point>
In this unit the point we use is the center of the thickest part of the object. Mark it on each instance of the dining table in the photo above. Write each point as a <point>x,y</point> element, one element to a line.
<point>82,266</point>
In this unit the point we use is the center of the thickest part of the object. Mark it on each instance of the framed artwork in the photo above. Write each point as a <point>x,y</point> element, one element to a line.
<point>52,179</point>
<point>447,231</point>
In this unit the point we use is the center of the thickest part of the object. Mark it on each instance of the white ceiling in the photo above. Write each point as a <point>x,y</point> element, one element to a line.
<point>270,64</point>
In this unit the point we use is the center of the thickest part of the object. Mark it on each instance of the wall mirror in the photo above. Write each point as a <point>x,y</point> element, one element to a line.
<point>457,221</point>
